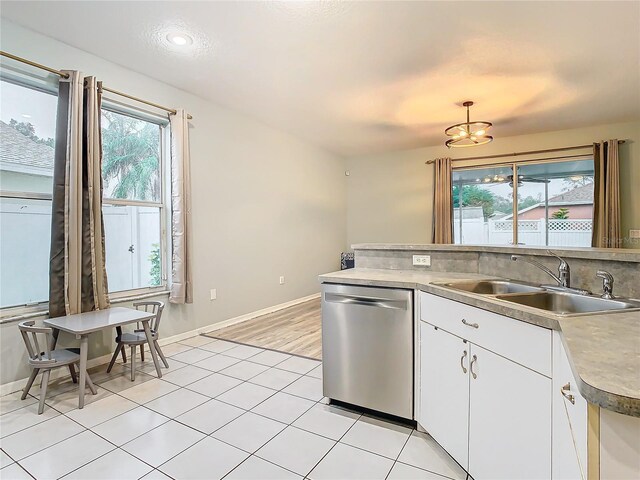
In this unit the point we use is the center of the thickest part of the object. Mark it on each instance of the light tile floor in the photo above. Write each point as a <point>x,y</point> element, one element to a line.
<point>221,411</point>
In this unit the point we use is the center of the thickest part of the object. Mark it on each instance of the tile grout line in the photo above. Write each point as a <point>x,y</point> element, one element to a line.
<point>118,393</point>
<point>332,447</point>
<point>399,453</point>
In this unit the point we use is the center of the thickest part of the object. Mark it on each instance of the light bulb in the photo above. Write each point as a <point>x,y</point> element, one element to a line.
<point>479,133</point>
<point>179,39</point>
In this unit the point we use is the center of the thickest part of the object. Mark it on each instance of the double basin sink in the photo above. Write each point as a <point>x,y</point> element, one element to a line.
<point>563,303</point>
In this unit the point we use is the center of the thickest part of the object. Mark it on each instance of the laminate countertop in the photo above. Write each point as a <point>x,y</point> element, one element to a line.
<point>603,348</point>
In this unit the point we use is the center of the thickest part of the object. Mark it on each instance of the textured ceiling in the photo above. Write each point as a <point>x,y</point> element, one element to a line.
<point>363,77</point>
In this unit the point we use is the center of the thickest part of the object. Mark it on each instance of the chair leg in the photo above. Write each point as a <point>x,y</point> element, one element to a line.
<point>43,390</point>
<point>133,363</point>
<point>72,370</point>
<point>142,352</point>
<point>115,356</point>
<point>91,386</point>
<point>124,355</point>
<point>32,377</point>
<point>162,357</point>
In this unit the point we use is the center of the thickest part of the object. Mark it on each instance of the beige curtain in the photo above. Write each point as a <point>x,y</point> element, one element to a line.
<point>606,194</point>
<point>77,273</point>
<point>181,276</point>
<point>442,202</point>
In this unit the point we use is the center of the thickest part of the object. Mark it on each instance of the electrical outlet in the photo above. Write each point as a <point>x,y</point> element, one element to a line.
<point>214,294</point>
<point>422,260</point>
<point>634,233</point>
<point>282,280</point>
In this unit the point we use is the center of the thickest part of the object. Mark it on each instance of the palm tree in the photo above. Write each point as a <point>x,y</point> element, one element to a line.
<point>131,156</point>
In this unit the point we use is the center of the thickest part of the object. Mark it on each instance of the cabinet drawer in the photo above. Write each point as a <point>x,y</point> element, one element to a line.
<point>526,344</point>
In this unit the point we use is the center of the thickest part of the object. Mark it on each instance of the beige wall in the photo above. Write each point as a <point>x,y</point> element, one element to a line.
<point>265,204</point>
<point>389,196</point>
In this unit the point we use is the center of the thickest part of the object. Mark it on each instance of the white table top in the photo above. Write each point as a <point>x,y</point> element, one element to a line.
<point>84,323</point>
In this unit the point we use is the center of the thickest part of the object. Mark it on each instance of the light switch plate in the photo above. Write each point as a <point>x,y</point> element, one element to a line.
<point>634,233</point>
<point>422,260</point>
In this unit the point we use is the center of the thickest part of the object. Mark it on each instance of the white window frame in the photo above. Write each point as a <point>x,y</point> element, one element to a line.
<point>163,205</point>
<point>514,165</point>
<point>43,306</point>
<point>15,312</point>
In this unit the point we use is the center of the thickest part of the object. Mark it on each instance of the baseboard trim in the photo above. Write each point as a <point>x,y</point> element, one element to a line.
<point>18,385</point>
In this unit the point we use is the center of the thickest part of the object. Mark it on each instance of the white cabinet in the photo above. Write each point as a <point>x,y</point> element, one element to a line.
<point>569,420</point>
<point>444,395</point>
<point>509,419</point>
<point>492,414</point>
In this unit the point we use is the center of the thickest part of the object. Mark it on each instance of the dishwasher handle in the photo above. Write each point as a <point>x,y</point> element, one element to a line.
<point>367,301</point>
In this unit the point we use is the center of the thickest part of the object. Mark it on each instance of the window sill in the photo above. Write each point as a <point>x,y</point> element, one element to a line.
<point>121,297</point>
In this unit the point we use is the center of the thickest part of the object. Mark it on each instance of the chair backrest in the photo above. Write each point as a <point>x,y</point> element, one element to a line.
<point>30,333</point>
<point>151,307</point>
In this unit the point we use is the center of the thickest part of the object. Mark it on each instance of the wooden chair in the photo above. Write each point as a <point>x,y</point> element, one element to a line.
<point>138,337</point>
<point>48,359</point>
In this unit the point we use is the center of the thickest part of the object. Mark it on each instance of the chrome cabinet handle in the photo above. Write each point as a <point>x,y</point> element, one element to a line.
<point>568,396</point>
<point>474,325</point>
<point>474,359</point>
<point>464,370</point>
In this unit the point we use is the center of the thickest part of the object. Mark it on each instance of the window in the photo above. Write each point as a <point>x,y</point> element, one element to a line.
<point>133,201</point>
<point>554,203</point>
<point>27,132</point>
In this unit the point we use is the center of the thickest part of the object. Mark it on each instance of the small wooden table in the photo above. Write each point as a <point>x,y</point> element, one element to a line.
<point>82,324</point>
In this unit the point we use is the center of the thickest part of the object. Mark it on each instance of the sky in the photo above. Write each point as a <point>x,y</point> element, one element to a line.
<point>28,105</point>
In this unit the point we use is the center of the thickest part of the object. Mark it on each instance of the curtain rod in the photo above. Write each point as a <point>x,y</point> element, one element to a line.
<point>516,154</point>
<point>122,94</point>
<point>66,75</point>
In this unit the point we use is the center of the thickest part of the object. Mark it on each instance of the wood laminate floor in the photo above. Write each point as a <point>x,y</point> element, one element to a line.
<point>295,329</point>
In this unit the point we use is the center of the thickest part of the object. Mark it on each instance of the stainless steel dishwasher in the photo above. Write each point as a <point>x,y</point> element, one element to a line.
<point>367,347</point>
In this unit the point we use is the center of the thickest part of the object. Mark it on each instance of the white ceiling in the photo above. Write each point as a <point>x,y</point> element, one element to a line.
<point>363,77</point>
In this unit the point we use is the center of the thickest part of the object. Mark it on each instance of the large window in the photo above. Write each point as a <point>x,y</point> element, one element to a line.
<point>554,204</point>
<point>27,132</point>
<point>133,201</point>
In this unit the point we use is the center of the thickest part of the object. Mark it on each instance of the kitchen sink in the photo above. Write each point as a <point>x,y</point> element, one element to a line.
<point>492,287</point>
<point>561,303</point>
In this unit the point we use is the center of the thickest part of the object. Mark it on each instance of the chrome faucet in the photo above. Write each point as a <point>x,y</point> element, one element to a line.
<point>607,283</point>
<point>564,272</point>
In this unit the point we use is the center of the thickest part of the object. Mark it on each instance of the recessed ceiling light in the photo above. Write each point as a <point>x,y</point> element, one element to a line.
<point>179,39</point>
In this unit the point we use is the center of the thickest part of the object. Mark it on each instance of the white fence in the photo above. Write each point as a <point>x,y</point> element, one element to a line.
<point>562,232</point>
<point>131,235</point>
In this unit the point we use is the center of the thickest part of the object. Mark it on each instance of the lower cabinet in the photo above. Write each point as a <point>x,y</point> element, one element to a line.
<point>509,419</point>
<point>569,420</point>
<point>444,390</point>
<point>491,414</point>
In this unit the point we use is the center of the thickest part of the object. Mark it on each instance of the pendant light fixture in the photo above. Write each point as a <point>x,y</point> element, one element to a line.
<point>468,134</point>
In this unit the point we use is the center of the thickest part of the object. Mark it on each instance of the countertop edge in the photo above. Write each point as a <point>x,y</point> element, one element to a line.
<point>615,402</point>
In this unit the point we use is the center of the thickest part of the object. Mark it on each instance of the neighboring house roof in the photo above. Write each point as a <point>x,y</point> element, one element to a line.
<point>19,153</point>
<point>579,194</point>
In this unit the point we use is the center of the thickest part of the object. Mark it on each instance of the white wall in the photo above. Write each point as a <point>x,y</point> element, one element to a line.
<point>390,195</point>
<point>265,204</point>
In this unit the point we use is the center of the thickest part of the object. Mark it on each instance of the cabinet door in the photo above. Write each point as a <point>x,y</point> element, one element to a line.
<point>509,419</point>
<point>444,390</point>
<point>569,420</point>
